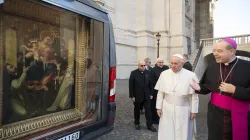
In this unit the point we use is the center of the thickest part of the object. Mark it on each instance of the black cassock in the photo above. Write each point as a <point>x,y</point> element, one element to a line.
<point>156,71</point>
<point>140,87</point>
<point>219,120</point>
<point>188,66</point>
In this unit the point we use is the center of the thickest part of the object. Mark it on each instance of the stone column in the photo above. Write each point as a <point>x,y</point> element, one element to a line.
<point>176,26</point>
<point>193,39</point>
<point>160,20</point>
<point>202,18</point>
<point>189,17</point>
<point>144,30</point>
<point>125,37</point>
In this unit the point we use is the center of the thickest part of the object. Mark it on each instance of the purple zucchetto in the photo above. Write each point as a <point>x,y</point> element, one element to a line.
<point>231,42</point>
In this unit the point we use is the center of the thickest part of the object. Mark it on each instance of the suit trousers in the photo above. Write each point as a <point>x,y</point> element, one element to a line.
<point>148,114</point>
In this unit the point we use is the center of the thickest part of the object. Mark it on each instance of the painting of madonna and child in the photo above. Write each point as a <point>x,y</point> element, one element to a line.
<point>39,69</point>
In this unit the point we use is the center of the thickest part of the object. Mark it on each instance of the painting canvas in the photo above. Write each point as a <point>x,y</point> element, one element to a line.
<point>39,67</point>
<point>50,68</point>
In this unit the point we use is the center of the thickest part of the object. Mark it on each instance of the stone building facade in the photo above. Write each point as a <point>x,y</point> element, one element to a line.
<point>181,24</point>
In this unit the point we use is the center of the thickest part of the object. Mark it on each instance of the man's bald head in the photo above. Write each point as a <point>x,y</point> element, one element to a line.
<point>140,62</point>
<point>141,65</point>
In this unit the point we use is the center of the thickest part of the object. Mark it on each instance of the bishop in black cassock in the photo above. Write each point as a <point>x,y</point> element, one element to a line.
<point>228,81</point>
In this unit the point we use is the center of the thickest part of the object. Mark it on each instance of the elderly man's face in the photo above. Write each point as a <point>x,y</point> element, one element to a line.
<point>176,64</point>
<point>160,63</point>
<point>141,66</point>
<point>221,53</point>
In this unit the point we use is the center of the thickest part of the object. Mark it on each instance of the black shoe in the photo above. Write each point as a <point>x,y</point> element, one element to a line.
<point>137,127</point>
<point>151,128</point>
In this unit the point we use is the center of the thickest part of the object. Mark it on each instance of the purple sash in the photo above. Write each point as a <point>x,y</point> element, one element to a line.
<point>239,113</point>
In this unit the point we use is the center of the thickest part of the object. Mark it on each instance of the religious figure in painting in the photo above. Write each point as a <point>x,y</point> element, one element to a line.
<point>64,94</point>
<point>39,79</point>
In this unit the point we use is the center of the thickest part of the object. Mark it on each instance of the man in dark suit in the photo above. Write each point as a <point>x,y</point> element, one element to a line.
<point>147,64</point>
<point>187,64</point>
<point>140,92</point>
<point>149,68</point>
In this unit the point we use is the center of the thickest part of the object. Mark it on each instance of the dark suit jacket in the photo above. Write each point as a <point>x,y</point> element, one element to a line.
<point>140,85</point>
<point>188,66</point>
<point>150,68</point>
<point>156,72</point>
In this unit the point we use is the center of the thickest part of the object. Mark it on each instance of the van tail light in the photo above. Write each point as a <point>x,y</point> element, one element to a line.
<point>112,84</point>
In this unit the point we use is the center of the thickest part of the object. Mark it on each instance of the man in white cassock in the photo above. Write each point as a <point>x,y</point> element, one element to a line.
<point>177,103</point>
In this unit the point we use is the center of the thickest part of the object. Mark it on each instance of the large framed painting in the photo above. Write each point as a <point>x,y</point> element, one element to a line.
<point>42,67</point>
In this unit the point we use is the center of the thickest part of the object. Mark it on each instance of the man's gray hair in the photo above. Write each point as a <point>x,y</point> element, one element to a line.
<point>185,55</point>
<point>181,60</point>
<point>229,47</point>
<point>159,59</point>
<point>147,59</point>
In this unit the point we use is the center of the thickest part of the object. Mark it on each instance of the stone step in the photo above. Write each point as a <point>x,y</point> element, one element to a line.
<point>193,56</point>
<point>191,61</point>
<point>196,50</point>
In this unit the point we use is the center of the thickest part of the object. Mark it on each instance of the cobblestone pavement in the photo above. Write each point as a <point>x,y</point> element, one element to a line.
<point>124,126</point>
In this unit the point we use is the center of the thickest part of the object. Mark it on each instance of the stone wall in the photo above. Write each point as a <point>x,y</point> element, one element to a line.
<point>136,22</point>
<point>203,19</point>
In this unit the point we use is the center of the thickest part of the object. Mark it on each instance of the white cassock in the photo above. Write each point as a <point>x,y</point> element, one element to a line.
<point>177,100</point>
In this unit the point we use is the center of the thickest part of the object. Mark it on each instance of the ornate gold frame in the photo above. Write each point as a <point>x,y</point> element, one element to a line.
<point>1,67</point>
<point>24,128</point>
